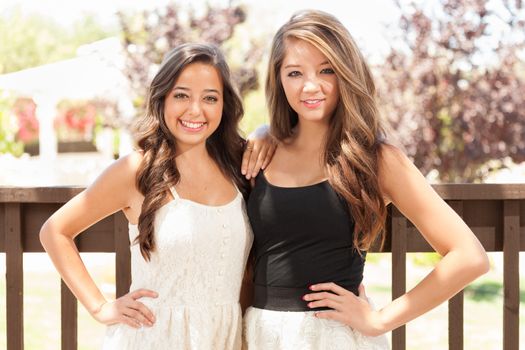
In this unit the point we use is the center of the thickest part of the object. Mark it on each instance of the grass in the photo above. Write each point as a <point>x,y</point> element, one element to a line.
<point>483,312</point>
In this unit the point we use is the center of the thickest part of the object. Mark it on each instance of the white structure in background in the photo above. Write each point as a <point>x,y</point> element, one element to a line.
<point>96,72</point>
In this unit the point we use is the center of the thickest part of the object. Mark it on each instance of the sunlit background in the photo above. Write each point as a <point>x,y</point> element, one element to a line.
<point>73,75</point>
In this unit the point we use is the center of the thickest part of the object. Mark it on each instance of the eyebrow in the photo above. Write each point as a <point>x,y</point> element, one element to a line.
<point>298,65</point>
<point>188,89</point>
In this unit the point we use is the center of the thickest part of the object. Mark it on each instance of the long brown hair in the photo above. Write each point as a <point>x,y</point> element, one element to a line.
<point>355,133</point>
<point>158,170</point>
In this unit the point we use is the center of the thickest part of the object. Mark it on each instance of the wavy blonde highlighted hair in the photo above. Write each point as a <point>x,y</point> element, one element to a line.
<point>355,132</point>
<point>158,170</point>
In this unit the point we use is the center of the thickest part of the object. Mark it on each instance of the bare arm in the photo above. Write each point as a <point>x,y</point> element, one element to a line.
<point>464,259</point>
<point>112,191</point>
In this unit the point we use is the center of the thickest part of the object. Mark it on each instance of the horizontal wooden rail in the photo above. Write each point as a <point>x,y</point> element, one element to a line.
<point>495,213</point>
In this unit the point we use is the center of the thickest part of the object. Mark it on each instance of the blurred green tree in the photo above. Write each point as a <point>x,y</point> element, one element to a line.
<point>30,40</point>
<point>453,85</point>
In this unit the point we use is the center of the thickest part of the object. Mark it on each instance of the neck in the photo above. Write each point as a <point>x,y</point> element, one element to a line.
<point>311,136</point>
<point>187,155</point>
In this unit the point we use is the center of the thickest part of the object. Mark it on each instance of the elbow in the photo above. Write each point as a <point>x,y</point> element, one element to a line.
<point>44,234</point>
<point>479,264</point>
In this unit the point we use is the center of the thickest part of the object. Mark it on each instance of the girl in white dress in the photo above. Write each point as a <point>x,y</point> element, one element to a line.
<point>321,202</point>
<point>182,193</point>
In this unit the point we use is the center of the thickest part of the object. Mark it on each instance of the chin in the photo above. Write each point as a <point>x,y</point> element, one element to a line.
<point>314,117</point>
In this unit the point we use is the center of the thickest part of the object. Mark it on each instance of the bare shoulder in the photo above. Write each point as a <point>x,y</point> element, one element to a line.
<point>391,157</point>
<point>131,162</point>
<point>120,176</point>
<point>397,174</point>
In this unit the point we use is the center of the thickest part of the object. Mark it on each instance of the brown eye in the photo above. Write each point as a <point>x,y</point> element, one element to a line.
<point>294,74</point>
<point>211,99</point>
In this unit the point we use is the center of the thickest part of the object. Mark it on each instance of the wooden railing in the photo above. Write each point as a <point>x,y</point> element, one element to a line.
<point>496,214</point>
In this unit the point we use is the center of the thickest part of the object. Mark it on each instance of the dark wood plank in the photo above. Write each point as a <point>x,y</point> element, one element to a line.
<point>511,301</point>
<point>69,323</point>
<point>14,276</point>
<point>38,194</point>
<point>455,305</point>
<point>2,227</point>
<point>455,322</point>
<point>399,244</point>
<point>122,254</point>
<point>446,191</point>
<point>480,191</point>
<point>97,238</point>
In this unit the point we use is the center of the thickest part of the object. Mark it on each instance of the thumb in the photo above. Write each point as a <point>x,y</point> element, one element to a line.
<point>362,293</point>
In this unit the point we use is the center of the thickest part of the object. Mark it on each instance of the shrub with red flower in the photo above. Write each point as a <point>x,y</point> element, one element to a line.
<point>25,111</point>
<point>75,120</point>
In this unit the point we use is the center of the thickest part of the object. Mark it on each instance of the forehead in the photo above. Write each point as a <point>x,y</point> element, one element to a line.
<point>299,51</point>
<point>200,75</point>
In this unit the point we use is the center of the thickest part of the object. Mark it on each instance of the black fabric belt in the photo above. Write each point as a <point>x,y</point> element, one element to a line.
<point>284,298</point>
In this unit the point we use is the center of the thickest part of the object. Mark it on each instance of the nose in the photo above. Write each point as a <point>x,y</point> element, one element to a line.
<point>194,109</point>
<point>311,85</point>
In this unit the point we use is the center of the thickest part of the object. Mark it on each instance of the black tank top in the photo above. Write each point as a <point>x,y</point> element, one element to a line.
<point>303,235</point>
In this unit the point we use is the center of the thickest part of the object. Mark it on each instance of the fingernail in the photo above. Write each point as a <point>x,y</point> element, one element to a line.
<point>303,297</point>
<point>309,305</point>
<point>243,172</point>
<point>311,287</point>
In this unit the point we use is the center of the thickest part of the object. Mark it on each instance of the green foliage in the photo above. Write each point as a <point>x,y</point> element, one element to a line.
<point>373,258</point>
<point>425,259</point>
<point>8,129</point>
<point>488,291</point>
<point>30,40</point>
<point>255,112</point>
<point>484,291</point>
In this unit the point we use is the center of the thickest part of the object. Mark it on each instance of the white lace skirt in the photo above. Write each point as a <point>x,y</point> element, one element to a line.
<point>181,328</point>
<point>284,330</point>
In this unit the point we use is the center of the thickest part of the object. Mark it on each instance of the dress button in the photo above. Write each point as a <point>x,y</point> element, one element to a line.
<point>219,210</point>
<point>224,225</point>
<point>223,255</point>
<point>221,273</point>
<point>225,240</point>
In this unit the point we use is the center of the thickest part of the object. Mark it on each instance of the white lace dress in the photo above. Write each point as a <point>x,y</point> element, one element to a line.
<point>197,270</point>
<point>292,330</point>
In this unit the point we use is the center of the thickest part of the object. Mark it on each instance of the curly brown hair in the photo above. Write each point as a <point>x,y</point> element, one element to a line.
<point>158,170</point>
<point>353,142</point>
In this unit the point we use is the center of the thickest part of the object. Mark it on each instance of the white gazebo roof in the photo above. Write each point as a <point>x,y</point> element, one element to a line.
<point>96,72</point>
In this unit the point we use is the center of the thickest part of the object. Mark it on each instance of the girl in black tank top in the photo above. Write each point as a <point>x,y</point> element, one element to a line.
<point>303,235</point>
<point>311,235</point>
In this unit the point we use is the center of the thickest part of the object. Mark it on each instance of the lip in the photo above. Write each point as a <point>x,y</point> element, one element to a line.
<point>312,103</point>
<point>190,126</point>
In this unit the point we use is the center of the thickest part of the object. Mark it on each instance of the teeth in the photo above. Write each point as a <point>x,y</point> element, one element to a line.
<point>191,125</point>
<point>311,102</point>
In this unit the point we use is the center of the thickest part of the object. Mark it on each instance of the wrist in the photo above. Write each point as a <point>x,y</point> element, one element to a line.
<point>380,323</point>
<point>96,308</point>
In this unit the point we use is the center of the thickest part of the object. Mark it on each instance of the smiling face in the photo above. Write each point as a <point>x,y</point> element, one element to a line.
<point>309,82</point>
<point>193,107</point>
